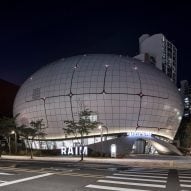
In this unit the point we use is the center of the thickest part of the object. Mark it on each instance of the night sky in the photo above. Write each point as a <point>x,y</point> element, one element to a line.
<point>35,33</point>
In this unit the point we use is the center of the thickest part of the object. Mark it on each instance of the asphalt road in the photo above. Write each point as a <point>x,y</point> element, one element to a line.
<point>65,176</point>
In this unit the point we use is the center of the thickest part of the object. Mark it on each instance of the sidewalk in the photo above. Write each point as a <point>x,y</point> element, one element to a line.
<point>183,162</point>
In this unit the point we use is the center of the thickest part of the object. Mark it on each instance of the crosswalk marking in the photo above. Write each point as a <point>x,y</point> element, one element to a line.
<point>141,179</point>
<point>185,185</point>
<point>145,176</point>
<point>148,170</point>
<point>4,173</point>
<point>25,179</point>
<point>133,183</point>
<point>113,188</point>
<point>133,180</point>
<point>146,173</point>
<point>184,174</point>
<point>185,180</point>
<point>187,177</point>
<point>152,170</point>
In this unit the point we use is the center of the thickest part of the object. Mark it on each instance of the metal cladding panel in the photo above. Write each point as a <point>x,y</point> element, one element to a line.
<point>125,94</point>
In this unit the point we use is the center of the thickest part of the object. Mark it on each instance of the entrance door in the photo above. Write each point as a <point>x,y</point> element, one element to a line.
<point>139,146</point>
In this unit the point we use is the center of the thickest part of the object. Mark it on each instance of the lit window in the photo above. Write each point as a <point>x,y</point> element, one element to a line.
<point>93,118</point>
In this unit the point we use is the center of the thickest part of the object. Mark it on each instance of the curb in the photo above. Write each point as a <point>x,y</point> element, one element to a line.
<point>148,163</point>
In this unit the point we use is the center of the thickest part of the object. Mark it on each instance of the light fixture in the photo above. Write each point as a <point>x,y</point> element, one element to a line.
<point>99,127</point>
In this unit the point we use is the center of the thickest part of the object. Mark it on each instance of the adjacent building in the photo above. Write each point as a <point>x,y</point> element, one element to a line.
<point>7,96</point>
<point>159,51</point>
<point>185,90</point>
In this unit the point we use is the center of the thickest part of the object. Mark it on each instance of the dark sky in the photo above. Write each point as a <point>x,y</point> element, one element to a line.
<point>35,33</point>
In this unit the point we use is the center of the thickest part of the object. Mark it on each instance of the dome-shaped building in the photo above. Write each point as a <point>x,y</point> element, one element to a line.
<point>126,95</point>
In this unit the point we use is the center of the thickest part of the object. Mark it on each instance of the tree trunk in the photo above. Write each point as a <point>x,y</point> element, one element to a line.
<point>0,152</point>
<point>30,147</point>
<point>26,145</point>
<point>9,144</point>
<point>40,146</point>
<point>31,151</point>
<point>82,153</point>
<point>82,150</point>
<point>26,151</point>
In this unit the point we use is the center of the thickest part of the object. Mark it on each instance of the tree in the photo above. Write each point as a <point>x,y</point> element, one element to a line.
<point>188,135</point>
<point>40,128</point>
<point>81,127</point>
<point>7,125</point>
<point>184,134</point>
<point>29,133</point>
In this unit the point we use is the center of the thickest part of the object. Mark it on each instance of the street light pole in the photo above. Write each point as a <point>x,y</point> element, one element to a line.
<point>101,141</point>
<point>15,142</point>
<point>101,131</point>
<point>9,144</point>
<point>101,128</point>
<point>15,139</point>
<point>107,132</point>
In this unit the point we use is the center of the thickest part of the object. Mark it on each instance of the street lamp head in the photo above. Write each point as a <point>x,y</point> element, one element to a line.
<point>99,127</point>
<point>135,68</point>
<point>12,132</point>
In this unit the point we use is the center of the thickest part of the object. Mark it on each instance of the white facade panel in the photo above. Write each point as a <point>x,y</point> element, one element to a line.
<point>125,94</point>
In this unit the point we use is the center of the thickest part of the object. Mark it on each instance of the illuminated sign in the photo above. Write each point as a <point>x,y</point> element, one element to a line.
<point>75,151</point>
<point>113,150</point>
<point>139,133</point>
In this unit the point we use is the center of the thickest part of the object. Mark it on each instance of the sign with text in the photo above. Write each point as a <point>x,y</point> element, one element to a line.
<point>139,133</point>
<point>74,151</point>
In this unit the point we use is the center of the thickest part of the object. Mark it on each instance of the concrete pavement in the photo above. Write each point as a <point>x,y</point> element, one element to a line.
<point>172,162</point>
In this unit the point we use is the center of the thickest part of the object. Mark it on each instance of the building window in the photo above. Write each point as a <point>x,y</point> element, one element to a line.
<point>92,117</point>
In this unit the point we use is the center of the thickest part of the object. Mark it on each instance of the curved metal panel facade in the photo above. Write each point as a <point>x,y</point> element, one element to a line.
<point>126,95</point>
